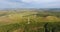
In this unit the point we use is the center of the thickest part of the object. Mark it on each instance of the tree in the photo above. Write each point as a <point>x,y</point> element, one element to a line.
<point>46,27</point>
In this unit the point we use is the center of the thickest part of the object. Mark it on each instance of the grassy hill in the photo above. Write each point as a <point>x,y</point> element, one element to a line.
<point>17,21</point>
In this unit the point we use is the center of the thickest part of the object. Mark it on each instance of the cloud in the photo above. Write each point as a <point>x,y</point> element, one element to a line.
<point>9,4</point>
<point>29,3</point>
<point>39,1</point>
<point>43,3</point>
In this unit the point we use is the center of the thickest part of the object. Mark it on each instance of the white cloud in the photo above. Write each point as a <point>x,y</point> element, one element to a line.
<point>5,4</point>
<point>43,3</point>
<point>39,1</point>
<point>31,3</point>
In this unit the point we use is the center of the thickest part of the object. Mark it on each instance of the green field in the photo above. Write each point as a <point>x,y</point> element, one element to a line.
<point>29,21</point>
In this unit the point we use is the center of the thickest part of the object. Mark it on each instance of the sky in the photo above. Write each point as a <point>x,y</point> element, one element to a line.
<point>29,3</point>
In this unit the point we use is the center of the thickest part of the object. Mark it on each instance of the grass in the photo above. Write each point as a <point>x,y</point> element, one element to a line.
<point>33,27</point>
<point>18,23</point>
